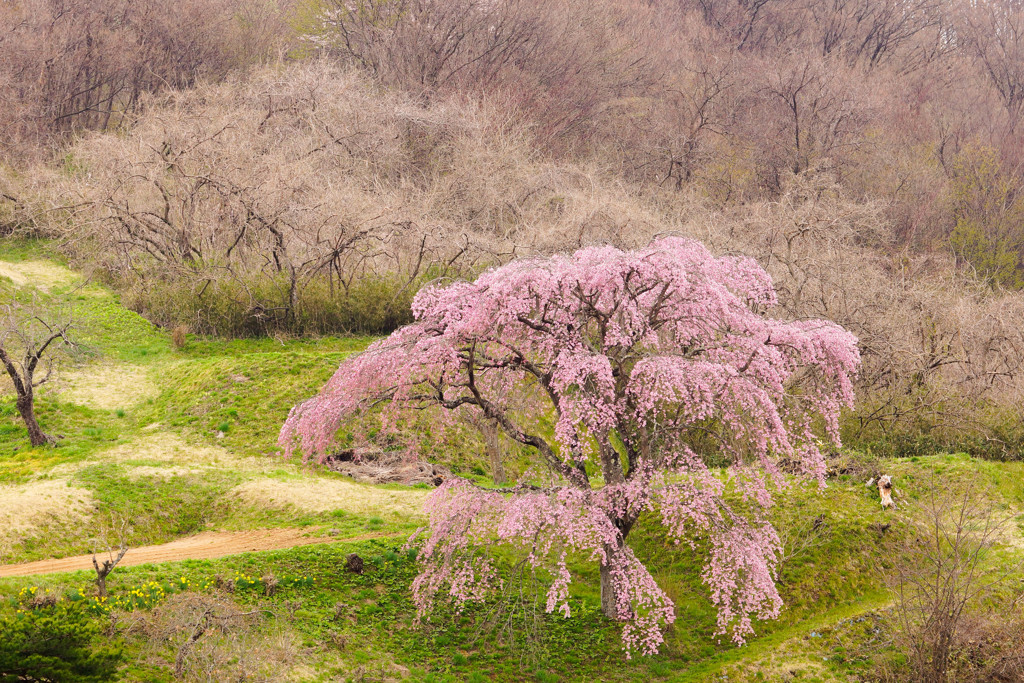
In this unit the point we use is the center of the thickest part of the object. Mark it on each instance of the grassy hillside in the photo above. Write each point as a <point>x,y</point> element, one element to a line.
<point>160,442</point>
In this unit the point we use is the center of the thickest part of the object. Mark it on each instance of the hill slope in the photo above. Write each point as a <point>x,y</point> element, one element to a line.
<point>162,443</point>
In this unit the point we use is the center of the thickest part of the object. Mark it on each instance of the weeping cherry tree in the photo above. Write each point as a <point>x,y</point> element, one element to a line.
<point>610,366</point>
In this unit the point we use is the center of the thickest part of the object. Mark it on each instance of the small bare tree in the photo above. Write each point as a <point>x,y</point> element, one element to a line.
<point>33,337</point>
<point>945,573</point>
<point>105,567</point>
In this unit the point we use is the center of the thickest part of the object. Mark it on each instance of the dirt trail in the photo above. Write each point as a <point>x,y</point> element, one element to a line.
<point>205,546</point>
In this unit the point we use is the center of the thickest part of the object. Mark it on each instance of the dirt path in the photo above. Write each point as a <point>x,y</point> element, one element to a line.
<point>205,546</point>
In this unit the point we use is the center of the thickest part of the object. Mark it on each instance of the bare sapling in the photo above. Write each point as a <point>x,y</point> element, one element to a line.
<point>105,567</point>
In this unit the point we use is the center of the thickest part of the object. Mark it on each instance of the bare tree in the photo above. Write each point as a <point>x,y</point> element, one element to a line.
<point>872,31</point>
<point>103,569</point>
<point>994,32</point>
<point>32,339</point>
<point>816,112</point>
<point>68,65</point>
<point>560,62</point>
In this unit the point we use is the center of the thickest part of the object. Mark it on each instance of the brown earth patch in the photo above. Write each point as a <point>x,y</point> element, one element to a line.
<point>205,546</point>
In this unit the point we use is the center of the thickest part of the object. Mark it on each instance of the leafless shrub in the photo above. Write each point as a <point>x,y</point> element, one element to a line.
<point>942,354</point>
<point>949,566</point>
<point>307,202</point>
<point>210,638</point>
<point>179,336</point>
<point>42,599</point>
<point>248,195</point>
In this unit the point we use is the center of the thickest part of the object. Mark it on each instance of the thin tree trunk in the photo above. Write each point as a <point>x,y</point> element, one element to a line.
<point>492,440</point>
<point>35,433</point>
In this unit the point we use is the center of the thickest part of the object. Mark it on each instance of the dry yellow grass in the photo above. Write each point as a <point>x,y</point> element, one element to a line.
<point>322,495</point>
<point>177,458</point>
<point>27,508</point>
<point>41,274</point>
<point>170,448</point>
<point>165,472</point>
<point>108,386</point>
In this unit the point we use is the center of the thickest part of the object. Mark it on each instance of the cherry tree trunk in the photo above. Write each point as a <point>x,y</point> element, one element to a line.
<point>608,597</point>
<point>35,433</point>
<point>609,590</point>
<point>492,439</point>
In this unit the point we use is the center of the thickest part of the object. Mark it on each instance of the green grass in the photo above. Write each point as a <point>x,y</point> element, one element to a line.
<point>81,431</point>
<point>247,397</point>
<point>830,584</point>
<point>18,249</point>
<point>374,615</point>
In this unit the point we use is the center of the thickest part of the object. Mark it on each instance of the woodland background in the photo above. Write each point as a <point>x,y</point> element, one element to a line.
<point>298,167</point>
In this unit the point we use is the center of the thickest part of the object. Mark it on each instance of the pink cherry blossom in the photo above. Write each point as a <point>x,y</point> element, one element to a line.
<point>637,356</point>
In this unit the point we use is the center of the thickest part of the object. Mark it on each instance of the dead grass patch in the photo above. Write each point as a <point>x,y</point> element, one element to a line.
<point>171,448</point>
<point>182,458</point>
<point>26,508</point>
<point>165,472</point>
<point>323,495</point>
<point>41,274</point>
<point>108,386</point>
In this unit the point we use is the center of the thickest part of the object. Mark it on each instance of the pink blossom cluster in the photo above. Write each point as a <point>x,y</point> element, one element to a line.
<point>633,353</point>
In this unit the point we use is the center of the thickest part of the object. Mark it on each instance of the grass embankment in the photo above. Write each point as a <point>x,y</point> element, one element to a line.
<point>160,442</point>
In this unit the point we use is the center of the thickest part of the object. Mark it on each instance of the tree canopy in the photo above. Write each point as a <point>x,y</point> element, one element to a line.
<point>633,355</point>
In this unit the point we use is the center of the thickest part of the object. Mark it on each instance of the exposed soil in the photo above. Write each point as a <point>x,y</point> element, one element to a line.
<point>205,546</point>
